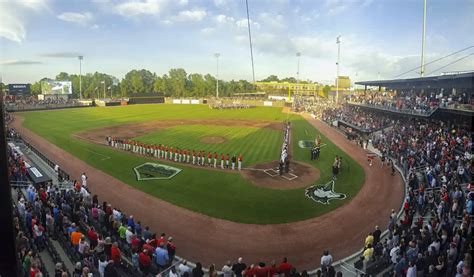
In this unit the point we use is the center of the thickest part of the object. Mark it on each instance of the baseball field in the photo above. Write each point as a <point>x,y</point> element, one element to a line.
<point>256,134</point>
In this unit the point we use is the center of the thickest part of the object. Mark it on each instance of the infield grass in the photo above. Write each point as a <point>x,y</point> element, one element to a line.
<point>218,194</point>
<point>257,145</point>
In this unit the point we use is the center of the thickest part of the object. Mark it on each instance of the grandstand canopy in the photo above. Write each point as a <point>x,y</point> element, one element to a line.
<point>462,80</point>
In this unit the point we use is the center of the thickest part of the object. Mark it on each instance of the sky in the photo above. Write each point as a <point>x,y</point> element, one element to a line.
<point>379,38</point>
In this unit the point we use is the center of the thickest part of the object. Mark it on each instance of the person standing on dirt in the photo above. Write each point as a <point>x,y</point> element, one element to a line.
<point>215,159</point>
<point>209,157</point>
<point>194,157</point>
<point>222,161</point>
<point>227,161</point>
<point>280,167</point>
<point>234,159</point>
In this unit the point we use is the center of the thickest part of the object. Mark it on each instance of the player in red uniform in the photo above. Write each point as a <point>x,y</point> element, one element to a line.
<point>239,160</point>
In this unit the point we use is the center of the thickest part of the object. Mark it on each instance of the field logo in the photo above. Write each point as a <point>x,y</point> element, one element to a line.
<point>324,193</point>
<point>154,171</point>
<point>306,144</point>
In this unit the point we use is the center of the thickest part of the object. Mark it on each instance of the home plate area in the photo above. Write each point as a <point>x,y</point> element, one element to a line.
<point>275,173</point>
<point>267,175</point>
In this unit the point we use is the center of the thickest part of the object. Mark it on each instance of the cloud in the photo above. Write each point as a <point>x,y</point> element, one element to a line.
<point>19,62</point>
<point>208,31</point>
<point>221,3</point>
<point>14,17</point>
<point>141,7</point>
<point>83,19</point>
<point>242,23</point>
<point>274,22</point>
<point>186,16</point>
<point>224,19</point>
<point>62,55</point>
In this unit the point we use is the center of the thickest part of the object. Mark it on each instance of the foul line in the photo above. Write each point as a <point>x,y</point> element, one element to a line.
<point>105,157</point>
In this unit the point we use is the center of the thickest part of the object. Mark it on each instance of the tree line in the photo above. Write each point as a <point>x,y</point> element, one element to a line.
<point>176,83</point>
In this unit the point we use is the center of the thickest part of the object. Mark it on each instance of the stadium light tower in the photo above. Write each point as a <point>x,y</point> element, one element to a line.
<point>217,74</point>
<point>298,55</point>
<point>103,82</point>
<point>80,76</point>
<point>338,41</point>
<point>422,71</point>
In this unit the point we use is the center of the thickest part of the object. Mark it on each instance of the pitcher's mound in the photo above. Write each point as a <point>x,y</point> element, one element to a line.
<point>213,140</point>
<point>266,175</point>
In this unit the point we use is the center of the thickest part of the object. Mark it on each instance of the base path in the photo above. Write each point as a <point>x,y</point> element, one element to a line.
<point>204,239</point>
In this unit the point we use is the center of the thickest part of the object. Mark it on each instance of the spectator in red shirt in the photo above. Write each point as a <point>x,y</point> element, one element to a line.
<point>144,262</point>
<point>261,270</point>
<point>115,253</point>
<point>250,271</point>
<point>285,267</point>
<point>162,239</point>
<point>92,237</point>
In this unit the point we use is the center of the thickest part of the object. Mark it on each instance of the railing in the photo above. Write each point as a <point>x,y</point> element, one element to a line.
<point>394,110</point>
<point>61,172</point>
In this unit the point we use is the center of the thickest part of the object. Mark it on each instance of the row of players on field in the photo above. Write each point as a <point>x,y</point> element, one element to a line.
<point>177,155</point>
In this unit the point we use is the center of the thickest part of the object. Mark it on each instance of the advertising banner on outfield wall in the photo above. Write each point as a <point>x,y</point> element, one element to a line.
<point>267,103</point>
<point>176,101</point>
<point>19,89</point>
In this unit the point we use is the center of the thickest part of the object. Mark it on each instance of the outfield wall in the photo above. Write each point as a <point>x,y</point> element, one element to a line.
<point>225,101</point>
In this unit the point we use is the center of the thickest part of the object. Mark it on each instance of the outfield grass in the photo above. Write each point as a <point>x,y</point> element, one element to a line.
<point>214,193</point>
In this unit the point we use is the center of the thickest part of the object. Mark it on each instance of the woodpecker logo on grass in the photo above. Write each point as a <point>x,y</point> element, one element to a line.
<point>324,193</point>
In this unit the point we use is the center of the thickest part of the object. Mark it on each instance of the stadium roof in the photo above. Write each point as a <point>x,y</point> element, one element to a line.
<point>462,80</point>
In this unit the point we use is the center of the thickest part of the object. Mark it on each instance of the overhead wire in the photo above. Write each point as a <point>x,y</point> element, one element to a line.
<point>449,55</point>
<point>460,59</point>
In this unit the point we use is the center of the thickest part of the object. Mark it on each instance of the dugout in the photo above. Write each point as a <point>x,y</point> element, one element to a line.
<point>146,98</point>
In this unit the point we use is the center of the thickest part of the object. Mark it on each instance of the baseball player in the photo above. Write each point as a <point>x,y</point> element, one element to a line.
<point>215,159</point>
<point>166,152</point>
<point>209,156</point>
<point>194,157</point>
<point>234,159</point>
<point>227,161</point>
<point>199,158</point>
<point>239,160</point>
<point>222,161</point>
<point>187,156</point>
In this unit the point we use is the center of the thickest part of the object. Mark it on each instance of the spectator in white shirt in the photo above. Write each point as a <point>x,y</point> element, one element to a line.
<point>183,268</point>
<point>326,259</point>
<point>227,270</point>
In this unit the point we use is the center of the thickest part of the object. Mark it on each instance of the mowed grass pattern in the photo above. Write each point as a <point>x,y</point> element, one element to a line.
<point>218,194</point>
<point>257,145</point>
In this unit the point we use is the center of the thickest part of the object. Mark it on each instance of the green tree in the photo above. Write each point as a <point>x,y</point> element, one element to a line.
<point>271,78</point>
<point>178,78</point>
<point>35,88</point>
<point>326,90</point>
<point>138,81</point>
